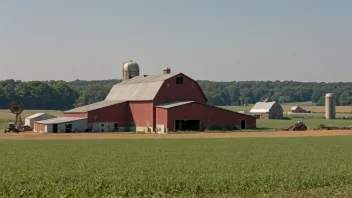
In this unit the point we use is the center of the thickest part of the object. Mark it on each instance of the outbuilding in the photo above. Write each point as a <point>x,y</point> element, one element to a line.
<point>298,109</point>
<point>267,110</point>
<point>61,125</point>
<point>29,121</point>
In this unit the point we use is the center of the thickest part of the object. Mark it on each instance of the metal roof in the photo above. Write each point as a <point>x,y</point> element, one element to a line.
<point>173,104</point>
<point>262,107</point>
<point>59,120</point>
<point>138,88</point>
<point>294,107</point>
<point>148,78</point>
<point>94,106</point>
<point>35,115</point>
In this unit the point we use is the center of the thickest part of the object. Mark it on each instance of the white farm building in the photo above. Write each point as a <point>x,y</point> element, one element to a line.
<point>61,125</point>
<point>267,110</point>
<point>29,121</point>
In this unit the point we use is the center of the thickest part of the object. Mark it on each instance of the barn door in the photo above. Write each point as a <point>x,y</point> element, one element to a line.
<point>243,124</point>
<point>54,128</point>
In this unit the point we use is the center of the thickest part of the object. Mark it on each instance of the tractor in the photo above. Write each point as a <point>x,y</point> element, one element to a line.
<point>298,126</point>
<point>11,127</point>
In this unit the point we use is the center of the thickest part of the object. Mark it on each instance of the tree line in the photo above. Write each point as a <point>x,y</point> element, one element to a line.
<point>61,95</point>
<point>250,92</point>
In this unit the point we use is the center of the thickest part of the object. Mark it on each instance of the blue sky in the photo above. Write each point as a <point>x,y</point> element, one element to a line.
<point>209,40</point>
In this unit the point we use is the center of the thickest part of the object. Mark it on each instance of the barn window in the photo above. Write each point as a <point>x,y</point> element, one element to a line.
<point>179,80</point>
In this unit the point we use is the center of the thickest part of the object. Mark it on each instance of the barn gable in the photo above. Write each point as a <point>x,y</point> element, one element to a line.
<point>262,107</point>
<point>180,88</point>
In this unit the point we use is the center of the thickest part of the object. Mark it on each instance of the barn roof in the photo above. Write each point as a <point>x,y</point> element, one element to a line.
<point>148,78</point>
<point>35,115</point>
<point>94,106</point>
<point>59,120</point>
<point>138,88</point>
<point>262,107</point>
<point>173,104</point>
<point>294,108</point>
<point>180,103</point>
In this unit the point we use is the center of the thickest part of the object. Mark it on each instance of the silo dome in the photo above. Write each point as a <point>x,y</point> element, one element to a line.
<point>130,69</point>
<point>329,95</point>
<point>130,65</point>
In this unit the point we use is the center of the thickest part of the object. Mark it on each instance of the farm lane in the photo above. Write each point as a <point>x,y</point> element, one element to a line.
<point>82,136</point>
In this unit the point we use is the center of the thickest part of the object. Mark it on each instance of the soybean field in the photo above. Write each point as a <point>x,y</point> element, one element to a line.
<point>280,167</point>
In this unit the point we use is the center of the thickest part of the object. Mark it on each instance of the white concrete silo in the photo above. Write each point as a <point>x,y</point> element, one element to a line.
<point>130,69</point>
<point>330,112</point>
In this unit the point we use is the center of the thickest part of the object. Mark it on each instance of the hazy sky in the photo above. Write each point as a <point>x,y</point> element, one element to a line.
<point>222,40</point>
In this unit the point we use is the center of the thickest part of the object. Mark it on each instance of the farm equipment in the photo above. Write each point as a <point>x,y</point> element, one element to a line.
<point>16,108</point>
<point>298,126</point>
<point>323,127</point>
<point>11,127</point>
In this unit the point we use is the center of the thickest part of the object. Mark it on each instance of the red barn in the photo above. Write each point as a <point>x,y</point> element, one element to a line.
<point>161,103</point>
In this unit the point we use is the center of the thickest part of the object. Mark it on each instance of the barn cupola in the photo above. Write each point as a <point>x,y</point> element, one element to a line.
<point>166,70</point>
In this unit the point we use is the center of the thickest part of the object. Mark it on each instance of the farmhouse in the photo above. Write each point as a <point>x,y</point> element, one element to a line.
<point>267,110</point>
<point>157,103</point>
<point>29,121</point>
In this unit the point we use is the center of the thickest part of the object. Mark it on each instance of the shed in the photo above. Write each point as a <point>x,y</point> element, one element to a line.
<point>29,121</point>
<point>267,110</point>
<point>61,125</point>
<point>298,109</point>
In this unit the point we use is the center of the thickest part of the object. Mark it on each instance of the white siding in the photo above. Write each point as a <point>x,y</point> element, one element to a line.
<point>30,121</point>
<point>109,127</point>
<point>49,128</point>
<point>77,126</point>
<point>80,125</point>
<point>61,127</point>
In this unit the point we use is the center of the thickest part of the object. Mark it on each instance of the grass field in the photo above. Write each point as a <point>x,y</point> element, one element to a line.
<point>270,125</point>
<point>281,167</point>
<point>318,109</point>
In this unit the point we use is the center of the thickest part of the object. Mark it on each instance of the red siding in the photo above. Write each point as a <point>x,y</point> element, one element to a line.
<point>141,113</point>
<point>113,113</point>
<point>161,116</point>
<point>208,115</point>
<point>188,91</point>
<point>39,127</point>
<point>76,115</point>
<point>264,116</point>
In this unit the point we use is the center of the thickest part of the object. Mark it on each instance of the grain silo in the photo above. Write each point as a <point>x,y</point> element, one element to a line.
<point>330,112</point>
<point>130,69</point>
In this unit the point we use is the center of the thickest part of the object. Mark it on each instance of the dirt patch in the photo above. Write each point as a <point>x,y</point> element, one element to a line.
<point>79,136</point>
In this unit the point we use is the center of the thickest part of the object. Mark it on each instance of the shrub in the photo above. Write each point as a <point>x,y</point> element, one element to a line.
<point>221,128</point>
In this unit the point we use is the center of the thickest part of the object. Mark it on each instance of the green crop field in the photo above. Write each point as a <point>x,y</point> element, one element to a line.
<point>281,167</point>
<point>311,123</point>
